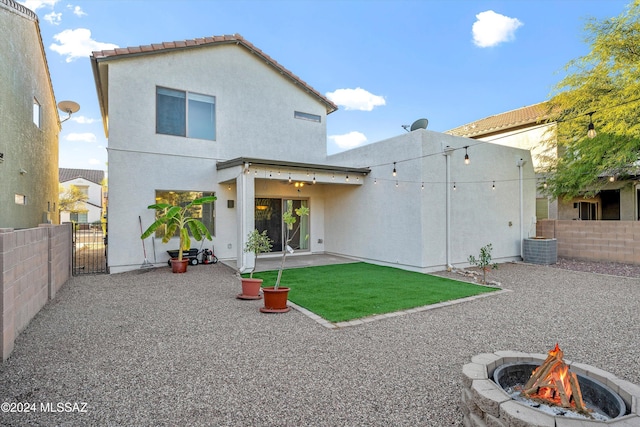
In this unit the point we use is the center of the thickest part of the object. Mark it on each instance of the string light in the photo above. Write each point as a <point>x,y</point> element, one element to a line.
<point>314,177</point>
<point>347,178</point>
<point>591,132</point>
<point>466,156</point>
<point>375,180</point>
<point>394,169</point>
<point>289,177</point>
<point>493,187</point>
<point>454,186</point>
<point>396,183</point>
<point>422,187</point>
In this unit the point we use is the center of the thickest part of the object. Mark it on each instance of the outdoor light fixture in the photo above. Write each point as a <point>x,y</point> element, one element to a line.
<point>314,178</point>
<point>466,156</point>
<point>422,188</point>
<point>394,169</point>
<point>454,186</point>
<point>494,185</point>
<point>347,178</point>
<point>612,178</point>
<point>289,178</point>
<point>591,133</point>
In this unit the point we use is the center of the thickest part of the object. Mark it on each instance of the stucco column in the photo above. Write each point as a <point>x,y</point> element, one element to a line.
<point>245,194</point>
<point>447,155</point>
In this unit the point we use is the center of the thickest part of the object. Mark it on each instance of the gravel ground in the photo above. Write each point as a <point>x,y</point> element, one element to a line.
<point>154,348</point>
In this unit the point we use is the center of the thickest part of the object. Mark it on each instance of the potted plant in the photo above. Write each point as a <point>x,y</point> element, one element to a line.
<point>177,218</point>
<point>257,243</point>
<point>275,298</point>
<point>484,261</point>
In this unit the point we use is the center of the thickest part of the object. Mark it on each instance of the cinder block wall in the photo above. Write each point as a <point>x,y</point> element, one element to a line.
<point>612,241</point>
<point>34,264</point>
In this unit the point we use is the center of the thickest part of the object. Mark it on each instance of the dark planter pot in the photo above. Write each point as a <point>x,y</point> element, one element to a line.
<point>250,288</point>
<point>179,266</point>
<point>275,300</point>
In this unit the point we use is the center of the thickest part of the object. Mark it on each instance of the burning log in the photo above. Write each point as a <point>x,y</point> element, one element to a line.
<point>552,383</point>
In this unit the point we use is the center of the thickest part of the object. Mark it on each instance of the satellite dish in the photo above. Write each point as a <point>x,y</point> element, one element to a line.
<point>419,124</point>
<point>68,107</point>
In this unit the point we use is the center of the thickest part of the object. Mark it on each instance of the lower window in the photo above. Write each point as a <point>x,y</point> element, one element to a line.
<point>205,213</point>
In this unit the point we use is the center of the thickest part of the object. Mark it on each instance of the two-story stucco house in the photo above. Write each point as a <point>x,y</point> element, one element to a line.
<point>528,128</point>
<point>90,183</point>
<point>29,126</point>
<point>219,116</point>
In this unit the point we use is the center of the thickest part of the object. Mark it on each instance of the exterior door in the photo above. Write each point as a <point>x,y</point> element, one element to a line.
<point>268,216</point>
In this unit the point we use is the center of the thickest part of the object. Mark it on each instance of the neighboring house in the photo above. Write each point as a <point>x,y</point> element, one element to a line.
<point>30,124</point>
<point>526,128</point>
<point>219,116</point>
<point>90,182</point>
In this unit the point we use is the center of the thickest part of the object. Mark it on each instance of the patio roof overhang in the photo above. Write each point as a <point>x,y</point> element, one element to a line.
<point>322,172</point>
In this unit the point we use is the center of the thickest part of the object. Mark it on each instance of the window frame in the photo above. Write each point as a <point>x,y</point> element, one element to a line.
<point>187,126</point>
<point>37,113</point>
<point>300,115</point>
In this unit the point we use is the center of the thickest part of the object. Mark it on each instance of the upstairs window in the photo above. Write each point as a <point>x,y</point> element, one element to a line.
<point>36,112</point>
<point>185,114</point>
<point>306,116</point>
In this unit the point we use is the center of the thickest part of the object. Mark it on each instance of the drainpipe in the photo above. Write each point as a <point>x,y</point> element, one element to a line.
<point>520,163</point>
<point>447,154</point>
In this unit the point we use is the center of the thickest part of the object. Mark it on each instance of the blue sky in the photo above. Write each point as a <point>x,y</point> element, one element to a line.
<point>385,63</point>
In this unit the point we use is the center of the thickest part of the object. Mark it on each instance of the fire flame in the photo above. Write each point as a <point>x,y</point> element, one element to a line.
<point>552,383</point>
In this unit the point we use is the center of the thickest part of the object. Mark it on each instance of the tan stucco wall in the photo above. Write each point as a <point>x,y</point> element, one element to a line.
<point>25,146</point>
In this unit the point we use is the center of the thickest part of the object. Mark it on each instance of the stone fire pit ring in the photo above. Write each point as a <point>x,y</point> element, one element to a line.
<point>485,403</point>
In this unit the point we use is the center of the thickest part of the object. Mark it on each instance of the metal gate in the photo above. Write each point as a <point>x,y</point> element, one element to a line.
<point>89,249</point>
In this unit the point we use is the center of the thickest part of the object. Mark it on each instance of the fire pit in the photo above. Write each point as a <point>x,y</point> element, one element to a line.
<point>599,397</point>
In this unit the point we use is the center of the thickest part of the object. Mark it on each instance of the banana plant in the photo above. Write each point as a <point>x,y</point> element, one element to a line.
<point>176,218</point>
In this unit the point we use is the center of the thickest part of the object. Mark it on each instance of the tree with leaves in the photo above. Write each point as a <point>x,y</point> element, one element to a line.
<point>603,88</point>
<point>71,199</point>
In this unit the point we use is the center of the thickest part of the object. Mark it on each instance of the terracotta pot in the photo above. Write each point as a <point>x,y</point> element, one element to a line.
<point>250,288</point>
<point>179,266</point>
<point>275,300</point>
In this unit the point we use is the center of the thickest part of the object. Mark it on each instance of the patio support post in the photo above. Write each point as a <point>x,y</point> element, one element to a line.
<point>447,154</point>
<point>245,193</point>
<point>520,163</point>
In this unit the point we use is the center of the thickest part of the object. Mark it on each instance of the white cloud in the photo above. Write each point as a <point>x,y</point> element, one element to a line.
<point>81,137</point>
<point>77,44</point>
<point>82,120</point>
<point>491,29</point>
<point>77,10</point>
<point>356,99</point>
<point>349,140</point>
<point>37,4</point>
<point>53,18</point>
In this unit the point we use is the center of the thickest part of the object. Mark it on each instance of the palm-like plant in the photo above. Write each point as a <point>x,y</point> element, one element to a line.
<point>177,218</point>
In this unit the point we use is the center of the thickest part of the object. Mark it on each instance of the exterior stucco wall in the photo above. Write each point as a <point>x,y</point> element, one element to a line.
<point>406,225</point>
<point>25,76</point>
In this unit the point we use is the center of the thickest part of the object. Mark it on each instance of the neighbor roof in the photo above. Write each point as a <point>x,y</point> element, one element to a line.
<point>103,55</point>
<point>530,115</point>
<point>92,175</point>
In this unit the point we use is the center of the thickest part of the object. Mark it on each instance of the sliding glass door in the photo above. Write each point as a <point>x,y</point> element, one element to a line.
<point>268,216</point>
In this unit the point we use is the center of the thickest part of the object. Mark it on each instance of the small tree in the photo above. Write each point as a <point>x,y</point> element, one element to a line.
<point>484,261</point>
<point>177,218</point>
<point>257,243</point>
<point>71,199</point>
<point>289,220</point>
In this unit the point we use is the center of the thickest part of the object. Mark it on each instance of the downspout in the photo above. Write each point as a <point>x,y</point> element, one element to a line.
<point>520,163</point>
<point>447,153</point>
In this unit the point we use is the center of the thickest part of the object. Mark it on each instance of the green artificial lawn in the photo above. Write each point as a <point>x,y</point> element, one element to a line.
<point>344,292</point>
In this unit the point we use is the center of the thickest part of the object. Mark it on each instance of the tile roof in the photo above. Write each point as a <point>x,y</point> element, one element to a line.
<point>529,115</point>
<point>92,175</point>
<point>208,41</point>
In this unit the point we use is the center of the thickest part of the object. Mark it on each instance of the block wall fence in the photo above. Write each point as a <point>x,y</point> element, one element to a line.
<point>34,264</point>
<point>608,241</point>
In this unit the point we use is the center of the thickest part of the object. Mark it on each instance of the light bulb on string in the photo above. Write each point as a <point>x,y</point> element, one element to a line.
<point>466,156</point>
<point>493,187</point>
<point>394,169</point>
